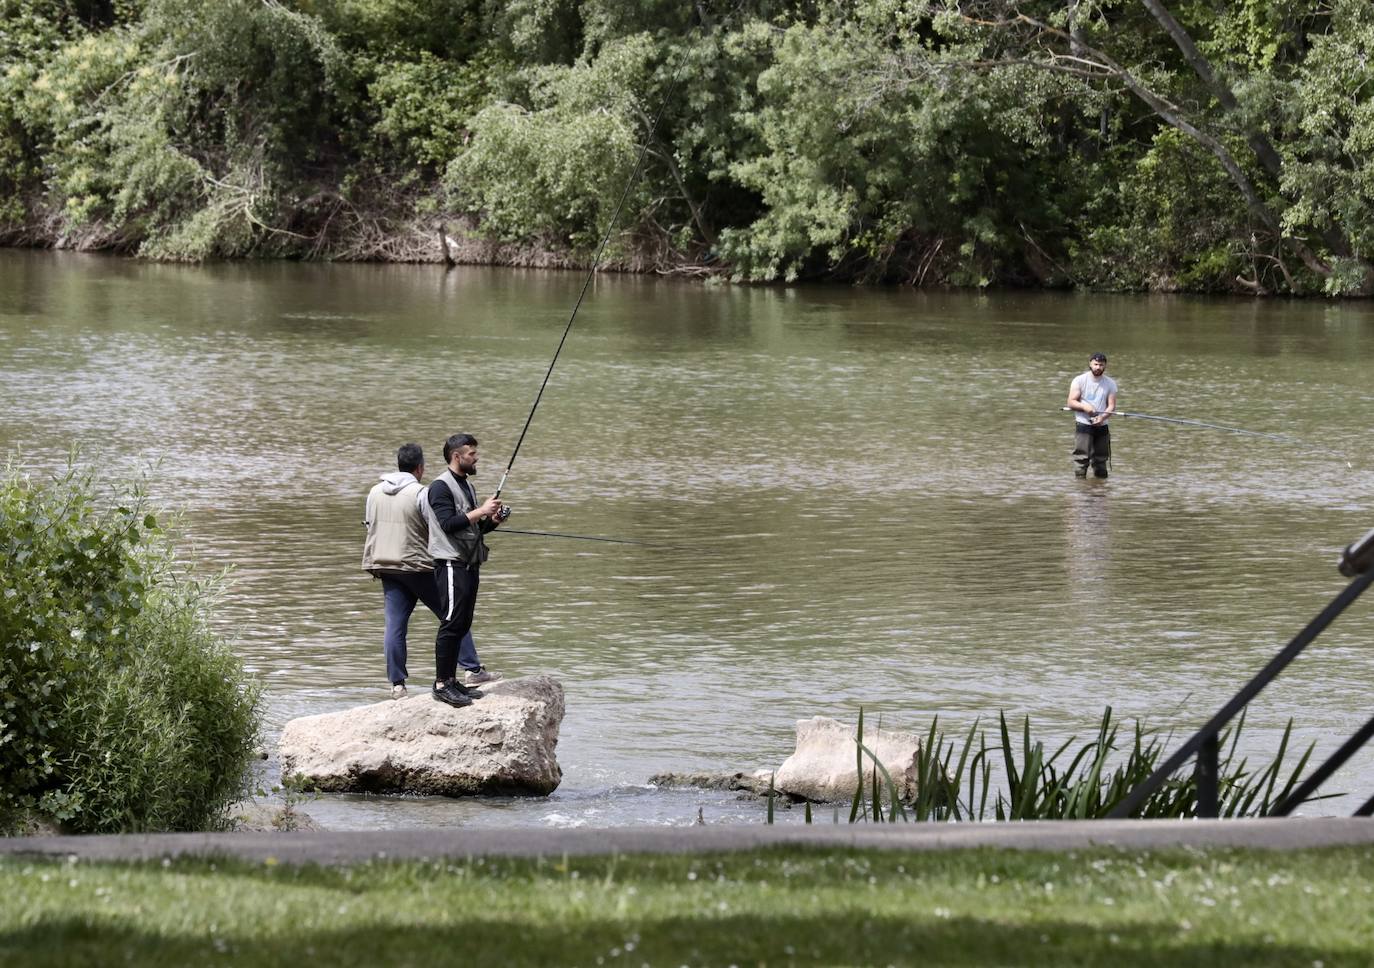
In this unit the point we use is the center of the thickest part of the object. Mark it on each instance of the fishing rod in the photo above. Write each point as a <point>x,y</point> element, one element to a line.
<point>591,272</point>
<point>586,537</point>
<point>1230,430</point>
<point>1194,423</point>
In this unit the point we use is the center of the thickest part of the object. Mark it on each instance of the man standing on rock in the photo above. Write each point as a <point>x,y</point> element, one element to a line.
<point>1093,396</point>
<point>456,526</point>
<point>396,551</point>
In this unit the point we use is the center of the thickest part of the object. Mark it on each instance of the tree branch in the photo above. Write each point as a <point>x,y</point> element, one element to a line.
<point>666,158</point>
<point>1259,143</point>
<point>1173,115</point>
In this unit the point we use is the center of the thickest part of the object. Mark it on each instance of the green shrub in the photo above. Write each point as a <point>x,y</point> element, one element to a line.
<point>1168,224</point>
<point>424,106</point>
<point>120,709</point>
<point>556,171</point>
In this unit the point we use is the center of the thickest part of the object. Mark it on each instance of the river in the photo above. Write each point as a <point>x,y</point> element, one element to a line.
<point>868,493</point>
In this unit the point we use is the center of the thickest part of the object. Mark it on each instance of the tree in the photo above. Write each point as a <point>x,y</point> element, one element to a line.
<point>1212,114</point>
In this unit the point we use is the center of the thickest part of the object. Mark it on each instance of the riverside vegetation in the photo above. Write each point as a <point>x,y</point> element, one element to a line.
<point>954,780</point>
<point>120,709</point>
<point>1118,144</point>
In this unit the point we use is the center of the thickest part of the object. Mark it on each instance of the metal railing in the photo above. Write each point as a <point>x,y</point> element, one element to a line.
<point>1357,563</point>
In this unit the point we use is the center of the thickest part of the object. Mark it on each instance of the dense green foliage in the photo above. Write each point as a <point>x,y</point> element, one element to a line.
<point>1102,143</point>
<point>119,709</point>
<point>780,906</point>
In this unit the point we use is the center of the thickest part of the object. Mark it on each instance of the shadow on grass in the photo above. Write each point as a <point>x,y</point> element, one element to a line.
<point>726,940</point>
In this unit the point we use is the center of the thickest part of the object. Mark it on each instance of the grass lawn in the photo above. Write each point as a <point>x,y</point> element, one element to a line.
<point>763,907</point>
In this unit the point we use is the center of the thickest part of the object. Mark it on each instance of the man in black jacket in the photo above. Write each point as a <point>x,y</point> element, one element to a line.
<point>456,526</point>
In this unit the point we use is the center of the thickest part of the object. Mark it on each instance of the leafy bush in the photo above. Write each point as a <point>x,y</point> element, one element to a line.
<point>1169,224</point>
<point>1329,171</point>
<point>556,171</point>
<point>424,106</point>
<point>868,163</point>
<point>120,710</point>
<point>401,29</point>
<point>187,133</point>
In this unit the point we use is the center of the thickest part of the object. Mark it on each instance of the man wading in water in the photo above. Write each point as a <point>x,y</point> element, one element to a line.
<point>456,526</point>
<point>1093,395</point>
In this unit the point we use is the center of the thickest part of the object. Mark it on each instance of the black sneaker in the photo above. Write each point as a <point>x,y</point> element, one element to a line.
<point>450,693</point>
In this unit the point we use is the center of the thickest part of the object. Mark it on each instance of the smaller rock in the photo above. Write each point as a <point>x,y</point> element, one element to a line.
<point>824,769</point>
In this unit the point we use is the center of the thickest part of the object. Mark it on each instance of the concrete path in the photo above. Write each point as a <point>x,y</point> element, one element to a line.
<point>333,847</point>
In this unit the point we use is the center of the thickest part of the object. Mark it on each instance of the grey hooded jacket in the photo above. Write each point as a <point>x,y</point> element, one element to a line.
<point>397,536</point>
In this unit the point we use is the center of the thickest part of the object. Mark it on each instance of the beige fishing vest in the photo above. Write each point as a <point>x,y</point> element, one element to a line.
<point>397,537</point>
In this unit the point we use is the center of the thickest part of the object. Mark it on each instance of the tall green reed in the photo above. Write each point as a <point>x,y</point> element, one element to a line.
<point>954,777</point>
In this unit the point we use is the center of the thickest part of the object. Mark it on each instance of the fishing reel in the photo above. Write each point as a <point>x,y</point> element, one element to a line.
<point>1358,556</point>
<point>504,513</point>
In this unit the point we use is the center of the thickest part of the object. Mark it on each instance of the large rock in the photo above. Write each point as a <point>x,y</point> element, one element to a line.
<point>503,743</point>
<point>823,768</point>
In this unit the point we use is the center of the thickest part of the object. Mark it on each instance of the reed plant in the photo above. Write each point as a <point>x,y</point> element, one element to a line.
<point>1076,781</point>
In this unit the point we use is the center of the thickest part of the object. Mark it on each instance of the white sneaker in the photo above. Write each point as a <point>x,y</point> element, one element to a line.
<point>398,691</point>
<point>480,676</point>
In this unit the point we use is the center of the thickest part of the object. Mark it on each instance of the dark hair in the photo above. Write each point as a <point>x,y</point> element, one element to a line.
<point>409,457</point>
<point>456,441</point>
<point>1098,356</point>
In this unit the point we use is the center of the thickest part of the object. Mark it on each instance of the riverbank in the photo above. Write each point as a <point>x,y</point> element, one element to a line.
<point>334,847</point>
<point>376,236</point>
<point>815,143</point>
<point>782,904</point>
<point>395,234</point>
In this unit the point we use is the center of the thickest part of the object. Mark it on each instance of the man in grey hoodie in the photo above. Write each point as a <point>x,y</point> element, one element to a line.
<point>397,552</point>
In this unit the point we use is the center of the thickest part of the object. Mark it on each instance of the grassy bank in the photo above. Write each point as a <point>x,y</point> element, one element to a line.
<point>775,907</point>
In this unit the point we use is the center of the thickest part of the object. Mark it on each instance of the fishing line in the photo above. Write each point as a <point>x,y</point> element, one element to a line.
<point>591,272</point>
<point>587,537</point>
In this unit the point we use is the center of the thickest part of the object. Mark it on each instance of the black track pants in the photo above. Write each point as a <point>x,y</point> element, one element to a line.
<point>457,585</point>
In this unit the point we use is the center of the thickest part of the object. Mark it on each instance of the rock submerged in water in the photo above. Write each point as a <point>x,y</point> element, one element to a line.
<point>822,769</point>
<point>503,744</point>
<point>824,766</point>
<point>754,784</point>
<point>256,816</point>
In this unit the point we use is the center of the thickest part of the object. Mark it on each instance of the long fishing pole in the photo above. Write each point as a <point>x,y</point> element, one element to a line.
<point>1230,430</point>
<point>591,272</point>
<point>1195,423</point>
